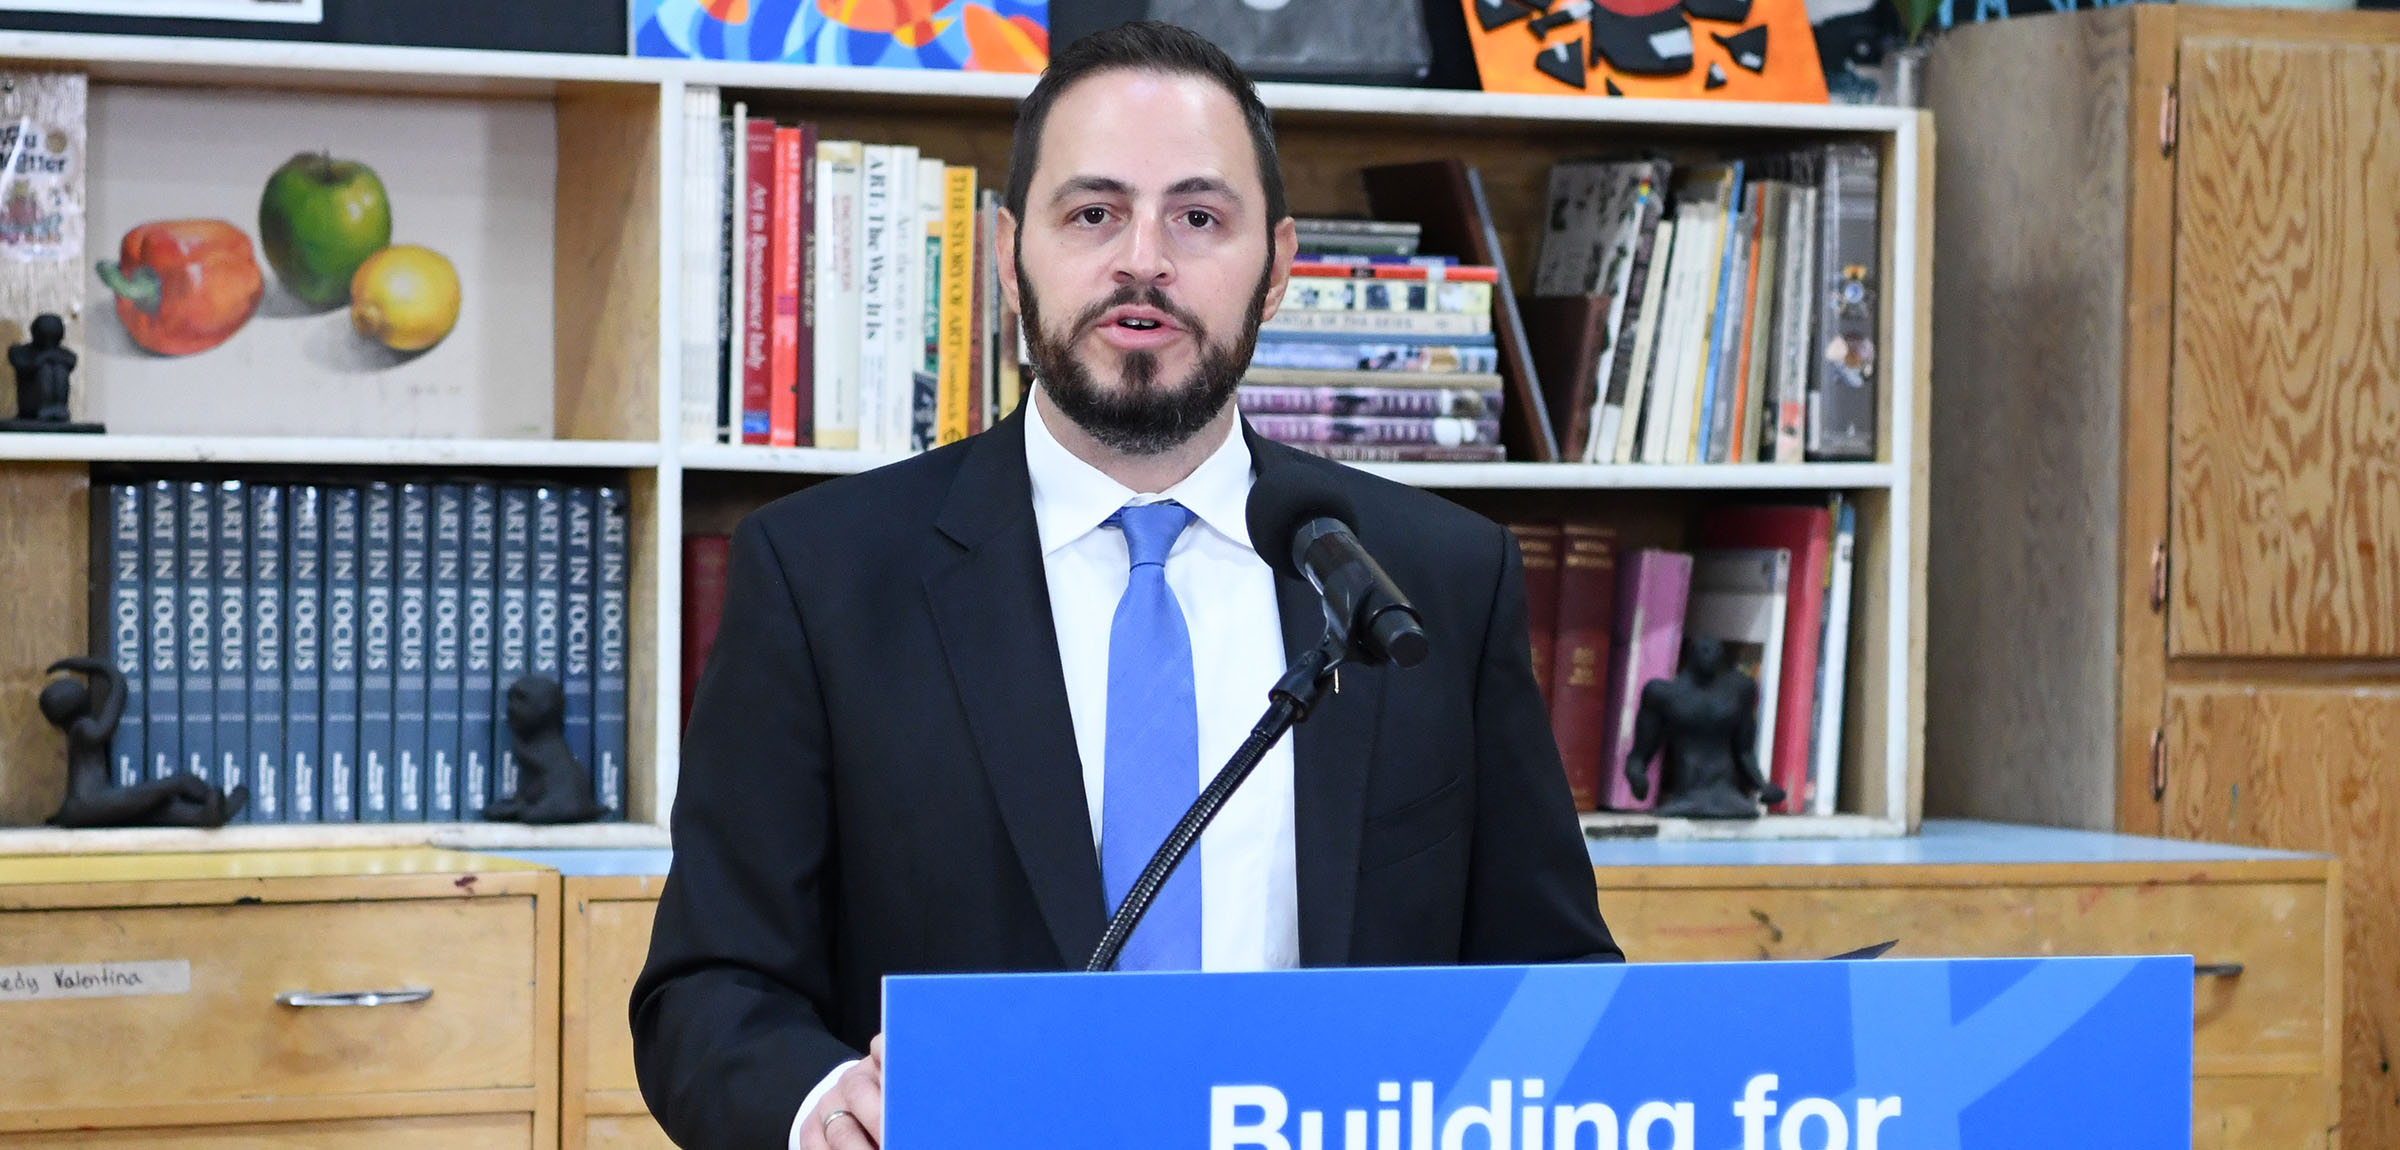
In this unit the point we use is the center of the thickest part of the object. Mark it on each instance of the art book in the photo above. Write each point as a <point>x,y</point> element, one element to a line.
<point>951,35</point>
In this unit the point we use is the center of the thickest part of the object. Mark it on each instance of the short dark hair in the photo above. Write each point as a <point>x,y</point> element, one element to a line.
<point>1142,46</point>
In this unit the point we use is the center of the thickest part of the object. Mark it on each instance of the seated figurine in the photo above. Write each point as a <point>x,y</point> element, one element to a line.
<point>1706,719</point>
<point>551,786</point>
<point>93,800</point>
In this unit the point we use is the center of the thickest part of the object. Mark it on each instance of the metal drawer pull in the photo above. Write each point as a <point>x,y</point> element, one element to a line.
<point>2217,970</point>
<point>354,997</point>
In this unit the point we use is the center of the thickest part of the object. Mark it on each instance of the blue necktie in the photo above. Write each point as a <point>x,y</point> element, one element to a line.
<point>1153,766</point>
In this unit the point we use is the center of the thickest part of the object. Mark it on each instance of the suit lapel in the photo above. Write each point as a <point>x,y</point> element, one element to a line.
<point>992,609</point>
<point>1331,752</point>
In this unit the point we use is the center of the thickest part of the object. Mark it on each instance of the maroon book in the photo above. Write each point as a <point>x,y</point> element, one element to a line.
<point>1539,542</point>
<point>1587,593</point>
<point>704,559</point>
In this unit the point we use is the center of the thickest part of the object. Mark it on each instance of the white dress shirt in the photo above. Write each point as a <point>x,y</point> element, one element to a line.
<point>1249,890</point>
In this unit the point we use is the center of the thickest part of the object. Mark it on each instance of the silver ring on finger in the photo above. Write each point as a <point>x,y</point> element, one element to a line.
<point>827,1124</point>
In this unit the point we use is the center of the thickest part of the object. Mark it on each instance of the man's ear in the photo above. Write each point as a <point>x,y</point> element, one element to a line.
<point>1279,268</point>
<point>1006,251</point>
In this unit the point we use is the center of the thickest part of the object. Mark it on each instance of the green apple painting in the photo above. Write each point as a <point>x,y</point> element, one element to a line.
<point>399,255</point>
<point>319,218</point>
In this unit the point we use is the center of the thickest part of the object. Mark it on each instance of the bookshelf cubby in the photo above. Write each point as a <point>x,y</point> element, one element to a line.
<point>614,350</point>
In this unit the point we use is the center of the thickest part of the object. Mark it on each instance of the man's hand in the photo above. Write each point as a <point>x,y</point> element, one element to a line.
<point>850,1116</point>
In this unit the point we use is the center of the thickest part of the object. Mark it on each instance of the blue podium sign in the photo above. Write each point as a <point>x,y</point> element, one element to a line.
<point>1891,1054</point>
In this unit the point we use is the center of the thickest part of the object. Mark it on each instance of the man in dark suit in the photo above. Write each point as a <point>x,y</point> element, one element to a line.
<point>955,702</point>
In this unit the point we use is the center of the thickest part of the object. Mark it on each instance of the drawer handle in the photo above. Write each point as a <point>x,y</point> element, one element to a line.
<point>2217,970</point>
<point>354,997</point>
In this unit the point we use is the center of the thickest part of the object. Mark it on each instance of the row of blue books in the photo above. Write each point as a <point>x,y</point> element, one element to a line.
<point>344,649</point>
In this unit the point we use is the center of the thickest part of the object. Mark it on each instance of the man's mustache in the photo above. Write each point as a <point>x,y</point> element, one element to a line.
<point>1127,295</point>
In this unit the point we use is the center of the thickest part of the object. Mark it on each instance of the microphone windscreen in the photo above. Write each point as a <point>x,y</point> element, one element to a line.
<point>1282,500</point>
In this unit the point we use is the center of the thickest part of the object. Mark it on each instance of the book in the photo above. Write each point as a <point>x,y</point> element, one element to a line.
<point>340,699</point>
<point>162,541</point>
<point>445,657</point>
<point>304,679</point>
<point>577,581</point>
<point>412,596</point>
<point>513,647</point>
<point>1844,389</point>
<point>379,531</point>
<point>1806,534</point>
<point>1538,543</point>
<point>269,630</point>
<point>611,686</point>
<point>1587,592</point>
<point>478,742</point>
<point>121,630</point>
<point>704,558</point>
<point>1460,403</point>
<point>1569,335</point>
<point>199,631</point>
<point>43,221</point>
<point>1645,644</point>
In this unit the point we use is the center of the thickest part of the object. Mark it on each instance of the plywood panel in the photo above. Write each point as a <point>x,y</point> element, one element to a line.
<point>2287,363</point>
<point>606,281</point>
<point>459,1132</point>
<point>2309,768</point>
<point>618,942</point>
<point>43,618</point>
<point>2030,237</point>
<point>625,1132</point>
<point>2273,1016</point>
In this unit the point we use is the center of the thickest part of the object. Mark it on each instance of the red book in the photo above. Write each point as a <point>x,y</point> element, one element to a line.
<point>1539,542</point>
<point>1587,595</point>
<point>1645,643</point>
<point>783,279</point>
<point>758,211</point>
<point>1807,532</point>
<point>704,559</point>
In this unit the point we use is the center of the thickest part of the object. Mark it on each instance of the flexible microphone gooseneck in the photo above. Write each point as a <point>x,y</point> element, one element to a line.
<point>1300,524</point>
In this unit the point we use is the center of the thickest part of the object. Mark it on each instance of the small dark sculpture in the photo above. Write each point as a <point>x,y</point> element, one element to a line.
<point>551,786</point>
<point>1707,719</point>
<point>42,365</point>
<point>92,799</point>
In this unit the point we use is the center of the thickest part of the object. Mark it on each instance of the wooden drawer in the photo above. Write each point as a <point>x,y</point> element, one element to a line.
<point>211,1048</point>
<point>2263,1113</point>
<point>607,938</point>
<point>447,1132</point>
<point>2271,1019</point>
<point>228,1038</point>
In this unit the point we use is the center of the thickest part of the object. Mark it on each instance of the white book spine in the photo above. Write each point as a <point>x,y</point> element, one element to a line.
<point>875,270</point>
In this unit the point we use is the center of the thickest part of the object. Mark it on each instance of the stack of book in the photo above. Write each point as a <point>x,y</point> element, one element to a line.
<point>836,293</point>
<point>1770,581</point>
<point>1719,312</point>
<point>1378,353</point>
<point>344,648</point>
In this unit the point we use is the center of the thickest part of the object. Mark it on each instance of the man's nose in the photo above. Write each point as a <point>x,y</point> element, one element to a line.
<point>1142,254</point>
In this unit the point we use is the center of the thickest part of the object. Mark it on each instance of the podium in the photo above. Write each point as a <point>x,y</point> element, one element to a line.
<point>1889,1054</point>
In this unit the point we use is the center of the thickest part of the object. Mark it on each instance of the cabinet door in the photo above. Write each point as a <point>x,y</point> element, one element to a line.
<point>2309,768</point>
<point>2286,383</point>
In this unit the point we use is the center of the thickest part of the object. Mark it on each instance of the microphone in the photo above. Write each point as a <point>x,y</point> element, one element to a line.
<point>1300,522</point>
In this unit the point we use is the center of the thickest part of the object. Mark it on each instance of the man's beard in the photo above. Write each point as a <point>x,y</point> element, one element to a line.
<point>1142,418</point>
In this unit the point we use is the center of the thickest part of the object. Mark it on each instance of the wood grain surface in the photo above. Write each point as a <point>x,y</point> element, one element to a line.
<point>2287,365</point>
<point>2021,656</point>
<point>2310,769</point>
<point>605,341</point>
<point>43,618</point>
<point>442,1132</point>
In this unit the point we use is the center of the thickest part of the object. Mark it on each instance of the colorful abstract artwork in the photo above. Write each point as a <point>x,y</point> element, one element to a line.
<point>1682,49</point>
<point>958,35</point>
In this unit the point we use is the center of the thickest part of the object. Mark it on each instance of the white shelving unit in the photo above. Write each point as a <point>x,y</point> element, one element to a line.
<point>630,108</point>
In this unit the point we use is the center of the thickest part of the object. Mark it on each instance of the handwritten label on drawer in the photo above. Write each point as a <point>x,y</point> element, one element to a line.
<point>94,980</point>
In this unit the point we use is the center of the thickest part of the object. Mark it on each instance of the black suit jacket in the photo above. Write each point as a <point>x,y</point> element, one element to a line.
<point>880,776</point>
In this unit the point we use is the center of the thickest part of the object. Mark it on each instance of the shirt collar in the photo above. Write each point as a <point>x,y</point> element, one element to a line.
<point>1071,497</point>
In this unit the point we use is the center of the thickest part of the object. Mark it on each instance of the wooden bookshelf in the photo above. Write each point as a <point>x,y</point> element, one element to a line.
<point>615,344</point>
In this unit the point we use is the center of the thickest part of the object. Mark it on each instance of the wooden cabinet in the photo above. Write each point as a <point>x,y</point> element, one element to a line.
<point>2266,1045</point>
<point>607,937</point>
<point>2164,584</point>
<point>385,998</point>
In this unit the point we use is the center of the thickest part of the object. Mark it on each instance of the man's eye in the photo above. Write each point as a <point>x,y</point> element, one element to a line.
<point>1092,216</point>
<point>1198,218</point>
